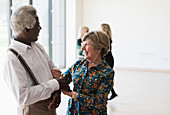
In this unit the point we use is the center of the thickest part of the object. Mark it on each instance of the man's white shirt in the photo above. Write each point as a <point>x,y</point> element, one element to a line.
<point>18,79</point>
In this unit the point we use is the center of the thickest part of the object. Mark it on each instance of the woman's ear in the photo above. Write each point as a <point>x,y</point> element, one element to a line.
<point>100,49</point>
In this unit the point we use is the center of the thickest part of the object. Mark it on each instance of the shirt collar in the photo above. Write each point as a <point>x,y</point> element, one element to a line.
<point>19,46</point>
<point>103,68</point>
<point>96,67</point>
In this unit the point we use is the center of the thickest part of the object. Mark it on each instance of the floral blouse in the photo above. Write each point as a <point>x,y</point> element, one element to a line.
<point>92,86</point>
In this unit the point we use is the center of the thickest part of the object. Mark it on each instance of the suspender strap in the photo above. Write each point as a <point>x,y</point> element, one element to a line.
<point>25,65</point>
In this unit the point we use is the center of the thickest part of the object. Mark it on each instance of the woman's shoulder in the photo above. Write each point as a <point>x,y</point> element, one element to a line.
<point>106,69</point>
<point>80,62</point>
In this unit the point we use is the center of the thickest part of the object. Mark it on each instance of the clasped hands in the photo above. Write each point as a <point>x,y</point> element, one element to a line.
<point>64,87</point>
<point>55,98</point>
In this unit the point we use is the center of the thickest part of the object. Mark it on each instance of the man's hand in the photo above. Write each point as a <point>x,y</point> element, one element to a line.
<point>56,72</point>
<point>64,85</point>
<point>55,100</point>
<point>67,93</point>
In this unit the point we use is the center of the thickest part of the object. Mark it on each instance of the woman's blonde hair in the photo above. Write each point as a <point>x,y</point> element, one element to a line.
<point>23,17</point>
<point>99,40</point>
<point>106,28</point>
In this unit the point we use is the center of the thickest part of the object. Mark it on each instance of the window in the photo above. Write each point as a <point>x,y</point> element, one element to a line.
<point>52,36</point>
<point>52,20</point>
<point>6,97</point>
<point>58,35</point>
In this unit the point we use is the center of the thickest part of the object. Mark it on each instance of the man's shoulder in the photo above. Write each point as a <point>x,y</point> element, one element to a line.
<point>40,46</point>
<point>9,56</point>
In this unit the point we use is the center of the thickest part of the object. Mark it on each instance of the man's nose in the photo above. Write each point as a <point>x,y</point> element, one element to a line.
<point>39,28</point>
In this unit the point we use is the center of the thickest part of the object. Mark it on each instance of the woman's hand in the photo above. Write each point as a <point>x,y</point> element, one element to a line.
<point>56,72</point>
<point>70,94</point>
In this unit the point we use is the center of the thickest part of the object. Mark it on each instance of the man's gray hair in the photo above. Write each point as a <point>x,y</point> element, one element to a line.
<point>23,17</point>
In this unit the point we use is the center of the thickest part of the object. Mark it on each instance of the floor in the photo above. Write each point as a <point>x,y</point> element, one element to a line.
<point>140,93</point>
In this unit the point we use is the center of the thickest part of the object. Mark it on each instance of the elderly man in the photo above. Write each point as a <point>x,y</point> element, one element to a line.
<point>32,99</point>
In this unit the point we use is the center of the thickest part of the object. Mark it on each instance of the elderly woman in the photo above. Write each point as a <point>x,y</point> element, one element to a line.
<point>92,77</point>
<point>32,99</point>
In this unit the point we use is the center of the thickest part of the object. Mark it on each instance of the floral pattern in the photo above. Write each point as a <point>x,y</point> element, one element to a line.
<point>92,86</point>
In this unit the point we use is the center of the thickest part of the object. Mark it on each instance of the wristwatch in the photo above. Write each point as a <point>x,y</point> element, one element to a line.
<point>73,96</point>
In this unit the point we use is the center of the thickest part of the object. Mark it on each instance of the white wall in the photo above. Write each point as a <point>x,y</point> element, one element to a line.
<point>74,19</point>
<point>70,32</point>
<point>140,28</point>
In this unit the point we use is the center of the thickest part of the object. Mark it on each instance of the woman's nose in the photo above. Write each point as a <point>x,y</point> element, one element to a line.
<point>82,46</point>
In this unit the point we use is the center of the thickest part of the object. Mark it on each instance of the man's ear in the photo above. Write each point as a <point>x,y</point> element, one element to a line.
<point>26,30</point>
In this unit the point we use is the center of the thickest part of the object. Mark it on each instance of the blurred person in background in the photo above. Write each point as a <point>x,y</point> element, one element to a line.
<point>83,30</point>
<point>109,57</point>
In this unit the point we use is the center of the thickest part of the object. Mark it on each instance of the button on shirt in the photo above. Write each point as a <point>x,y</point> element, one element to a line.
<point>18,80</point>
